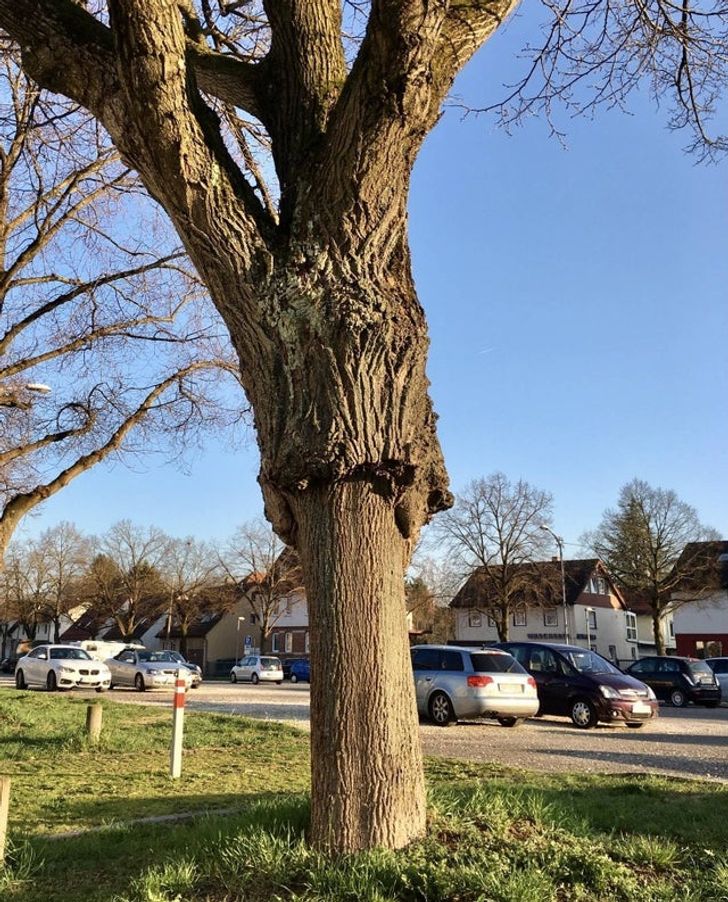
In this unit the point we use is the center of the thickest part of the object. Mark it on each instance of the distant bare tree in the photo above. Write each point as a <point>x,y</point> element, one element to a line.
<point>24,584</point>
<point>85,310</point>
<point>495,526</point>
<point>641,541</point>
<point>192,574</point>
<point>65,554</point>
<point>126,574</point>
<point>265,569</point>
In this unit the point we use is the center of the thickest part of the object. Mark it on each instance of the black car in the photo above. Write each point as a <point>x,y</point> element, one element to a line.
<point>678,680</point>
<point>578,683</point>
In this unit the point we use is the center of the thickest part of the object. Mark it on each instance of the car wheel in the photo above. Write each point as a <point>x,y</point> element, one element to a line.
<point>233,677</point>
<point>51,681</point>
<point>139,683</point>
<point>635,726</point>
<point>20,680</point>
<point>294,678</point>
<point>255,679</point>
<point>510,721</point>
<point>101,689</point>
<point>583,714</point>
<point>678,699</point>
<point>441,709</point>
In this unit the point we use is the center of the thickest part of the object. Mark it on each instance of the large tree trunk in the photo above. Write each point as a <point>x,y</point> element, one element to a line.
<point>367,785</point>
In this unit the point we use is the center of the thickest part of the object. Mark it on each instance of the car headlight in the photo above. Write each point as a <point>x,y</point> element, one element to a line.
<point>67,669</point>
<point>608,692</point>
<point>650,694</point>
<point>150,672</point>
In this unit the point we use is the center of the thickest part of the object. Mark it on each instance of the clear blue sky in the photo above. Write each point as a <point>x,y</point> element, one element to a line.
<point>577,307</point>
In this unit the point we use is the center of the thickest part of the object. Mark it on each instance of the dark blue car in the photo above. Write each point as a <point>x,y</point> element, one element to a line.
<point>300,671</point>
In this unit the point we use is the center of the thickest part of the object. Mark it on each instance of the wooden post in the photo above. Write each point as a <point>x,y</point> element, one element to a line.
<point>94,717</point>
<point>178,721</point>
<point>4,808</point>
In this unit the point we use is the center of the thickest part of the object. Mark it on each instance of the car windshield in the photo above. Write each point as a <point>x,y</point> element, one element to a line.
<point>154,657</point>
<point>69,654</point>
<point>700,668</point>
<point>490,663</point>
<point>270,664</point>
<point>176,656</point>
<point>587,662</point>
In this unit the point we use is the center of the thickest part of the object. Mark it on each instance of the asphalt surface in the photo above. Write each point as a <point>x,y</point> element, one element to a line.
<point>684,742</point>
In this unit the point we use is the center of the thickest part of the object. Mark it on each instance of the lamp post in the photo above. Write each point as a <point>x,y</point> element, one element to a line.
<point>237,641</point>
<point>587,612</point>
<point>560,543</point>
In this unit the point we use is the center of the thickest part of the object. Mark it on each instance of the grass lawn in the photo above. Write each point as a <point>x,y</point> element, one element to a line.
<point>494,833</point>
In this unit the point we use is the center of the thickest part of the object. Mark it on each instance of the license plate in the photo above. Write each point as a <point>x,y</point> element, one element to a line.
<point>512,688</point>
<point>641,708</point>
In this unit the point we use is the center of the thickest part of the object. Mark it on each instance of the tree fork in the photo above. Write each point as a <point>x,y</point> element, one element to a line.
<point>367,783</point>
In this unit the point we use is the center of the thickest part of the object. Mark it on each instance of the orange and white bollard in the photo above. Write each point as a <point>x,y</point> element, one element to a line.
<point>178,721</point>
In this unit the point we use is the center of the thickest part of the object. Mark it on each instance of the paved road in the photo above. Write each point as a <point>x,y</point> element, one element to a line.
<point>681,742</point>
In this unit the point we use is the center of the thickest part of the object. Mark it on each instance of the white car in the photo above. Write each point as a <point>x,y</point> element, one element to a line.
<point>258,669</point>
<point>145,669</point>
<point>61,667</point>
<point>719,666</point>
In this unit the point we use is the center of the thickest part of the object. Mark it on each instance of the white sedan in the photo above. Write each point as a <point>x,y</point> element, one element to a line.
<point>61,667</point>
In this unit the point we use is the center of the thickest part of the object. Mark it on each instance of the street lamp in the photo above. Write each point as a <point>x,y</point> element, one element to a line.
<point>560,542</point>
<point>587,612</point>
<point>237,641</point>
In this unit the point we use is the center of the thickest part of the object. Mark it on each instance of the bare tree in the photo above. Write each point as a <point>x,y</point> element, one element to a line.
<point>313,279</point>
<point>266,571</point>
<point>24,583</point>
<point>126,575</point>
<point>495,526</point>
<point>642,542</point>
<point>66,554</point>
<point>86,307</point>
<point>192,575</point>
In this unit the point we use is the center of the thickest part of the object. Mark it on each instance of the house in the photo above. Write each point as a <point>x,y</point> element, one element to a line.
<point>215,640</point>
<point>641,607</point>
<point>701,600</point>
<point>595,609</point>
<point>289,635</point>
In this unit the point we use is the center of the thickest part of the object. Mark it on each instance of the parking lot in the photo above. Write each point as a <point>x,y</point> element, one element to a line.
<point>686,742</point>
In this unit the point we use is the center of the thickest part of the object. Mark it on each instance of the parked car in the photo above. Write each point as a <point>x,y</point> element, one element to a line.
<point>719,666</point>
<point>288,663</point>
<point>301,670</point>
<point>144,669</point>
<point>8,665</point>
<point>194,669</point>
<point>578,683</point>
<point>678,680</point>
<point>61,667</point>
<point>453,683</point>
<point>257,669</point>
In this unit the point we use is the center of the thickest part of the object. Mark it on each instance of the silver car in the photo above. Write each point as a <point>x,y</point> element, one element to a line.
<point>144,669</point>
<point>453,683</point>
<point>258,669</point>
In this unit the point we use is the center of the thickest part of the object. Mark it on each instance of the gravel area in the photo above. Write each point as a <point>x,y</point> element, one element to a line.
<point>687,742</point>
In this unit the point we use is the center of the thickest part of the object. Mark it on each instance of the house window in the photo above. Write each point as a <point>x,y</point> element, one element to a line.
<point>307,642</point>
<point>289,643</point>
<point>613,653</point>
<point>551,617</point>
<point>474,619</point>
<point>634,653</point>
<point>492,623</point>
<point>631,626</point>
<point>671,628</point>
<point>602,586</point>
<point>592,618</point>
<point>275,642</point>
<point>519,617</point>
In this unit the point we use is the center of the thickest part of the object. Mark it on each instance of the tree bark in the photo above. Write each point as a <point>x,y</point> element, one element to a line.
<point>657,632</point>
<point>367,784</point>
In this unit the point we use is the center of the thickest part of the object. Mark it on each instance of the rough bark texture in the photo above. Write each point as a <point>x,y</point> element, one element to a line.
<point>322,310</point>
<point>367,760</point>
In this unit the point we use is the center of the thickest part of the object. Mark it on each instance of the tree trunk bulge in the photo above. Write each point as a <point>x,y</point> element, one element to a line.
<point>367,784</point>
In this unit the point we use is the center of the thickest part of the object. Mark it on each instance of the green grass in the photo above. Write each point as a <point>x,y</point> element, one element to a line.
<point>493,833</point>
